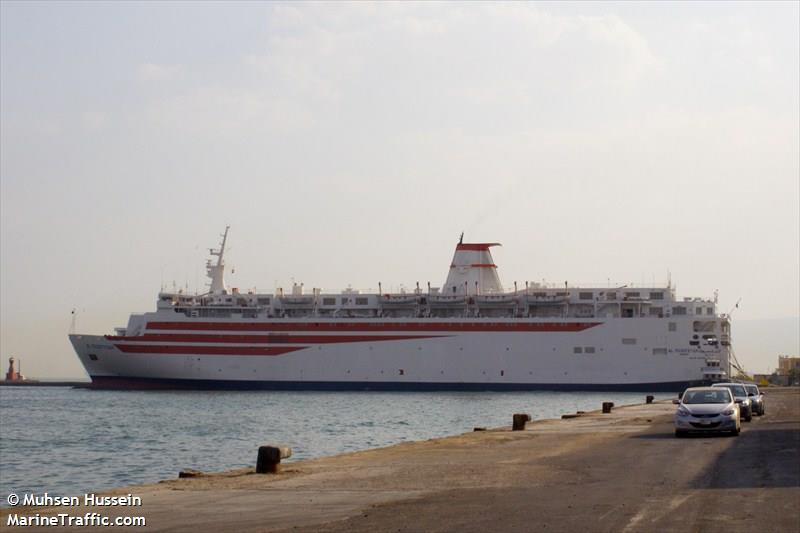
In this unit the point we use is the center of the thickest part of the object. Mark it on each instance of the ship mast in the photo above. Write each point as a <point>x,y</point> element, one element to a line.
<point>217,272</point>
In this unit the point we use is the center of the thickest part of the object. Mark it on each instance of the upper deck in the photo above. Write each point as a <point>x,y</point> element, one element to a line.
<point>472,290</point>
<point>533,301</point>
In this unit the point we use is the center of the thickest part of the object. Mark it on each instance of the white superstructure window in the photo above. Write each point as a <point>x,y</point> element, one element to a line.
<point>589,349</point>
<point>656,295</point>
<point>672,326</point>
<point>362,301</point>
<point>628,341</point>
<point>329,301</point>
<point>586,295</point>
<point>577,349</point>
<point>679,310</point>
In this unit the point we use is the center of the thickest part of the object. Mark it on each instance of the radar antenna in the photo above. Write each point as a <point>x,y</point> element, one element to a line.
<point>217,272</point>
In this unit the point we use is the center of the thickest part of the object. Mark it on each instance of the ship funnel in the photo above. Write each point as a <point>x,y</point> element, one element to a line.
<point>473,270</point>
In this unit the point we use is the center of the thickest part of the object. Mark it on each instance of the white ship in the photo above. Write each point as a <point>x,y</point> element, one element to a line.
<point>470,334</point>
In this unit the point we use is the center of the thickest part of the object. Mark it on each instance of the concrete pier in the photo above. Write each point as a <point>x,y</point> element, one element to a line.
<point>618,472</point>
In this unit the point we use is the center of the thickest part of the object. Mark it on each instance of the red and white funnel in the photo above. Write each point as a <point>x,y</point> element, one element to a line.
<point>473,270</point>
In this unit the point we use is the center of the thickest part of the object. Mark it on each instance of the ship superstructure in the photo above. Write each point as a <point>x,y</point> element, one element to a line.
<point>470,334</point>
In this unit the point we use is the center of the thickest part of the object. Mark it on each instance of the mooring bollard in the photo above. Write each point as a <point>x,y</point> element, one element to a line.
<point>269,458</point>
<point>649,399</point>
<point>607,406</point>
<point>519,421</point>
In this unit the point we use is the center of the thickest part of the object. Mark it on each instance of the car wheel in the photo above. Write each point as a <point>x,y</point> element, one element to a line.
<point>749,417</point>
<point>735,432</point>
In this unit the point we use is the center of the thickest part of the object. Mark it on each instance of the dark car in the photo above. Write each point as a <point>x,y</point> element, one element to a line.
<point>740,395</point>
<point>756,398</point>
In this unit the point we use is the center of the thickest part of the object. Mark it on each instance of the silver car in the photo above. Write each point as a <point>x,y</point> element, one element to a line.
<point>706,410</point>
<point>756,398</point>
<point>740,395</point>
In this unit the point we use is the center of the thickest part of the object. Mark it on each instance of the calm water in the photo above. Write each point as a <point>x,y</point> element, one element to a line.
<point>70,441</point>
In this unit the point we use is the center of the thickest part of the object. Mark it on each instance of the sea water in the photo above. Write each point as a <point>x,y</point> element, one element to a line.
<point>69,441</point>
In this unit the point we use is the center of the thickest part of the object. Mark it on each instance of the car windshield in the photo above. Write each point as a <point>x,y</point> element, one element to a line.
<point>752,389</point>
<point>737,390</point>
<point>707,396</point>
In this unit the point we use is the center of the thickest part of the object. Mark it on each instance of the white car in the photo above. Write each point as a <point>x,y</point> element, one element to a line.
<point>706,410</point>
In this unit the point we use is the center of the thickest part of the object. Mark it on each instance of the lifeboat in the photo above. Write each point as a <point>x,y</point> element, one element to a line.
<point>399,300</point>
<point>297,301</point>
<point>495,299</point>
<point>443,300</point>
<point>545,300</point>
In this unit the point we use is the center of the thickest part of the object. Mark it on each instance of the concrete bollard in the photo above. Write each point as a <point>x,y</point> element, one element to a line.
<point>649,399</point>
<point>607,406</point>
<point>269,458</point>
<point>519,421</point>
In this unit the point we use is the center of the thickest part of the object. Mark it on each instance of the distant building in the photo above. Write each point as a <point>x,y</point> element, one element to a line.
<point>761,378</point>
<point>13,374</point>
<point>786,364</point>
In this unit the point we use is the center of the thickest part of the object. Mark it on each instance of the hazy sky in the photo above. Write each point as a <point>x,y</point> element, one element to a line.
<point>352,143</point>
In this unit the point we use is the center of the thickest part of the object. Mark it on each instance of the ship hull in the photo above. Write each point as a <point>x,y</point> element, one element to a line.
<point>635,354</point>
<point>127,383</point>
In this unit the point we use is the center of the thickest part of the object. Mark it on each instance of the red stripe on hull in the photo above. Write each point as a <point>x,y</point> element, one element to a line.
<point>265,339</point>
<point>206,350</point>
<point>363,327</point>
